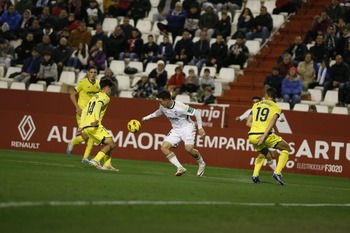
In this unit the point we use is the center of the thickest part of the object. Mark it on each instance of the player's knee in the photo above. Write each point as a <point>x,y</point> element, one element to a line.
<point>189,148</point>
<point>165,148</point>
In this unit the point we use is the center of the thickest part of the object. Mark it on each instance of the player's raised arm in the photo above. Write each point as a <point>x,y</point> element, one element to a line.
<point>152,115</point>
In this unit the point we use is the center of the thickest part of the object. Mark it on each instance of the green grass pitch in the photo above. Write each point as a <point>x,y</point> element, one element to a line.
<point>42,192</point>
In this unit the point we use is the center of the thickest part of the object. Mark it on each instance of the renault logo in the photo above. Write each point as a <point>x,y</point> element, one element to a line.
<point>26,128</point>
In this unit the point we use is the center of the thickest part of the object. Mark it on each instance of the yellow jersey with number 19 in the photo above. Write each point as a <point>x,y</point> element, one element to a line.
<point>88,114</point>
<point>262,113</point>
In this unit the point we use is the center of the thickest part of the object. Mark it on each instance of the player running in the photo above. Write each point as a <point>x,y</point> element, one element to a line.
<point>91,125</point>
<point>183,129</point>
<point>261,122</point>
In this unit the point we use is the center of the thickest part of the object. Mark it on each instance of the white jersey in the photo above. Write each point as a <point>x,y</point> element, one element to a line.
<point>178,114</point>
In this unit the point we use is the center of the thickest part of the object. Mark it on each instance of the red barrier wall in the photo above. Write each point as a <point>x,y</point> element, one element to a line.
<point>39,121</point>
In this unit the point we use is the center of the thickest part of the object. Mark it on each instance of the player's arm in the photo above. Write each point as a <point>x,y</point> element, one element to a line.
<point>198,116</point>
<point>73,97</point>
<point>96,112</point>
<point>152,115</point>
<point>268,129</point>
<point>244,116</point>
<point>249,121</point>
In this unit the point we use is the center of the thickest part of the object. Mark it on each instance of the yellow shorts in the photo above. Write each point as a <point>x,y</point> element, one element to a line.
<point>78,117</point>
<point>270,142</point>
<point>97,134</point>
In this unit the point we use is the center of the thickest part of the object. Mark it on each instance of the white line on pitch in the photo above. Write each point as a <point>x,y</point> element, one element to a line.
<point>40,163</point>
<point>161,203</point>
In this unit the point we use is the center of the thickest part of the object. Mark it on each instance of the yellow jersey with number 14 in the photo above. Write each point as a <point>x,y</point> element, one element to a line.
<point>88,114</point>
<point>262,113</point>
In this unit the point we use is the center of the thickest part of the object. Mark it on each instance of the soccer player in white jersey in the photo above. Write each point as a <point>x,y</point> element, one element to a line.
<point>183,129</point>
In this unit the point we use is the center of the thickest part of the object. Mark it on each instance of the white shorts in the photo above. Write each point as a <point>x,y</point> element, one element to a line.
<point>186,134</point>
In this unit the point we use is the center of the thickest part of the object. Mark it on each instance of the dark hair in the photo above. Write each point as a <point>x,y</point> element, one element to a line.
<point>256,98</point>
<point>165,95</point>
<point>271,92</point>
<point>92,68</point>
<point>105,81</point>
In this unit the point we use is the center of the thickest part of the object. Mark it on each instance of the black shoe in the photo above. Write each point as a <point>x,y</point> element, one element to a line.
<point>256,179</point>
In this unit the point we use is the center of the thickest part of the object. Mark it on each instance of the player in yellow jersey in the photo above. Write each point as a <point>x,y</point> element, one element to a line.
<point>81,95</point>
<point>91,125</point>
<point>261,121</point>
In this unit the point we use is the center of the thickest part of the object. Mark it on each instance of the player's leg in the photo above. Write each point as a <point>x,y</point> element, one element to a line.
<point>172,139</point>
<point>88,149</point>
<point>197,156</point>
<point>75,141</point>
<point>259,161</point>
<point>270,158</point>
<point>284,147</point>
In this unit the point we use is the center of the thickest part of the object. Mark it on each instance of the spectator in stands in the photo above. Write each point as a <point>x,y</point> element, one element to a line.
<point>97,56</point>
<point>191,84</point>
<point>36,29</point>
<point>338,75</point>
<point>57,6</point>
<point>143,88</point>
<point>47,72</point>
<point>335,11</point>
<point>79,57</point>
<point>201,51</point>
<point>176,21</point>
<point>262,26</point>
<point>291,87</point>
<point>165,51</point>
<point>39,6</point>
<point>344,94</point>
<point>339,26</point>
<point>238,54</point>
<point>285,64</point>
<point>192,19</point>
<point>164,7</point>
<point>7,53</point>
<point>149,51</point>
<point>206,80</point>
<point>217,53</point>
<point>306,71</point>
<point>233,5</point>
<point>109,74</point>
<point>73,24</point>
<point>116,43</point>
<point>207,97</point>
<point>48,30</point>
<point>288,6</point>
<point>274,80</point>
<point>79,35</point>
<point>31,66</point>
<point>23,5</point>
<point>25,23</point>
<point>127,27</point>
<point>297,50</point>
<point>187,4</point>
<point>244,24</point>
<point>344,40</point>
<point>45,17</point>
<point>330,41</point>
<point>159,76</point>
<point>99,35</point>
<point>4,4</point>
<point>139,9</point>
<point>45,45</point>
<point>93,14</point>
<point>61,55</point>
<point>319,50</point>
<point>106,4</point>
<point>75,7</point>
<point>208,22</point>
<point>184,48</point>
<point>12,18</point>
<point>65,33</point>
<point>224,25</point>
<point>217,4</point>
<point>176,81</point>
<point>24,50</point>
<point>312,108</point>
<point>319,27</point>
<point>114,10</point>
<point>133,50</point>
<point>322,74</point>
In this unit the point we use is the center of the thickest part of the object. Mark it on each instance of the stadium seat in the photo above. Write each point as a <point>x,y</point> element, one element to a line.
<point>270,5</point>
<point>117,66</point>
<point>283,105</point>
<point>53,88</point>
<point>154,3</point>
<point>2,71</point>
<point>230,42</point>
<point>3,85</point>
<point>211,68</point>
<point>183,98</point>
<point>254,6</point>
<point>109,24</point>
<point>36,87</point>
<point>301,107</point>
<point>176,40</point>
<point>226,75</point>
<point>67,77</point>
<point>187,67</point>
<point>151,13</point>
<point>11,70</point>
<point>195,39</point>
<point>123,82</point>
<point>278,21</point>
<point>212,41</point>
<point>81,75</point>
<point>218,89</point>
<point>253,46</point>
<point>322,109</point>
<point>330,99</point>
<point>170,68</point>
<point>340,110</point>
<point>144,26</point>
<point>18,86</point>
<point>136,64</point>
<point>150,67</point>
<point>125,94</point>
<point>316,97</point>
<point>135,80</point>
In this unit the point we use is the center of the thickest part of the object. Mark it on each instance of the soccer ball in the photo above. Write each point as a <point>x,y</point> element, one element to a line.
<point>134,126</point>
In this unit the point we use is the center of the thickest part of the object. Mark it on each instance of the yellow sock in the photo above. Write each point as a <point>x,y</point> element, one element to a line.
<point>99,156</point>
<point>77,140</point>
<point>107,160</point>
<point>258,164</point>
<point>88,149</point>
<point>282,161</point>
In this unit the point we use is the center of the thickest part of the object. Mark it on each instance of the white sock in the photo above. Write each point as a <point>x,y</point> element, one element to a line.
<point>173,159</point>
<point>199,159</point>
<point>272,165</point>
